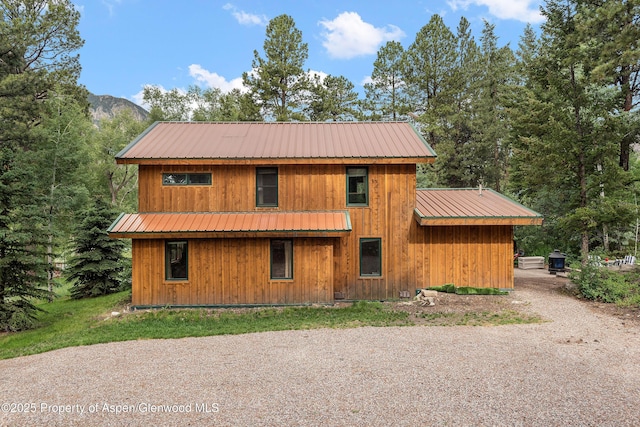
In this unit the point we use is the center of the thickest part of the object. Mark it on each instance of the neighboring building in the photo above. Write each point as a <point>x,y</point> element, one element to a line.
<point>297,213</point>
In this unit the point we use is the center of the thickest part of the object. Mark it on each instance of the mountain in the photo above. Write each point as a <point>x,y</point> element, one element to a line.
<point>106,107</point>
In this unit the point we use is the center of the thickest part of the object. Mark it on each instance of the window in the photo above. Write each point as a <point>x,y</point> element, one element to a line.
<point>186,179</point>
<point>370,257</point>
<point>176,266</point>
<point>267,187</point>
<point>282,259</point>
<point>357,183</point>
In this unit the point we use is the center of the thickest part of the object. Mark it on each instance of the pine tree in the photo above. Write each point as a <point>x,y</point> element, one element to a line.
<point>22,243</point>
<point>609,33</point>
<point>97,266</point>
<point>332,98</point>
<point>567,139</point>
<point>385,97</point>
<point>278,82</point>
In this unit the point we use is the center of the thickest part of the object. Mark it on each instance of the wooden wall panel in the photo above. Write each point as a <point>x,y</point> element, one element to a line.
<point>233,272</point>
<point>389,215</point>
<point>478,256</point>
<point>236,271</point>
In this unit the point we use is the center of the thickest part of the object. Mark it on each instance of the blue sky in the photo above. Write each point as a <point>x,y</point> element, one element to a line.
<point>175,44</point>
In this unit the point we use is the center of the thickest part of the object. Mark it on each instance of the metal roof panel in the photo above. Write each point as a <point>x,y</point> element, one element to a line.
<point>278,140</point>
<point>230,222</point>
<point>471,206</point>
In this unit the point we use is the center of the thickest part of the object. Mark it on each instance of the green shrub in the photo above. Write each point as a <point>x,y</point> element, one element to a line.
<point>602,284</point>
<point>450,288</point>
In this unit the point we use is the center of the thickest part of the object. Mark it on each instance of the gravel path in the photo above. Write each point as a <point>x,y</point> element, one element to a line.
<point>581,368</point>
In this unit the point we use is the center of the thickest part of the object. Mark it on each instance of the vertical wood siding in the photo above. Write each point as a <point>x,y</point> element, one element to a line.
<point>233,271</point>
<point>236,271</point>
<point>478,256</point>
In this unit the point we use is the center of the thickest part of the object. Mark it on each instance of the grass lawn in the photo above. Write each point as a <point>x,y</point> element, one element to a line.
<point>67,323</point>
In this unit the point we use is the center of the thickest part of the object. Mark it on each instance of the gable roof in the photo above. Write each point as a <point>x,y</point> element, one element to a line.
<point>470,206</point>
<point>231,224</point>
<point>286,142</point>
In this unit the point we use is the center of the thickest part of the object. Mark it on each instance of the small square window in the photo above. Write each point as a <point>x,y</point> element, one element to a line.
<point>357,187</point>
<point>281,259</point>
<point>370,257</point>
<point>176,257</point>
<point>267,187</point>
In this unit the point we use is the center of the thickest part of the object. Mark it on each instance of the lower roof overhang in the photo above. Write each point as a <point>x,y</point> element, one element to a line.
<point>468,206</point>
<point>204,225</point>
<point>479,220</point>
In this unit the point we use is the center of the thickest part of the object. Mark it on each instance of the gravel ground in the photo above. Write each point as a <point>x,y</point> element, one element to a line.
<point>582,368</point>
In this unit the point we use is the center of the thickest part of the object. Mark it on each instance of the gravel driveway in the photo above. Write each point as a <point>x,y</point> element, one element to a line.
<point>581,368</point>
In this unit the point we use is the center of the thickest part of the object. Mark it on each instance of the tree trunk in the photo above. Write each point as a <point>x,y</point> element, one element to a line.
<point>626,141</point>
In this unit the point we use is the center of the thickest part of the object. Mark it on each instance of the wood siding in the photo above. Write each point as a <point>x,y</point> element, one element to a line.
<point>236,271</point>
<point>232,272</point>
<point>388,216</point>
<point>478,256</point>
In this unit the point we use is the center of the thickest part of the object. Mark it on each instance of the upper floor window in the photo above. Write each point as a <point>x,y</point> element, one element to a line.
<point>357,186</point>
<point>267,187</point>
<point>186,179</point>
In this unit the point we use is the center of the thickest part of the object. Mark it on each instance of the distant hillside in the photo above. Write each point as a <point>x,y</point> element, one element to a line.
<point>106,107</point>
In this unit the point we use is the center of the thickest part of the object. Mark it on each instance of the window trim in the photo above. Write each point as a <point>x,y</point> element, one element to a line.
<point>271,276</point>
<point>167,257</point>
<point>188,179</point>
<point>277,173</point>
<point>366,189</point>
<point>360,242</point>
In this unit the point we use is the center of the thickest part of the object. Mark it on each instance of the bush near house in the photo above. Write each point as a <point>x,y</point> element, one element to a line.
<point>605,285</point>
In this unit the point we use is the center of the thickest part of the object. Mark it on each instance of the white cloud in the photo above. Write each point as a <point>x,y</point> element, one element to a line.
<point>214,79</point>
<point>348,36</point>
<point>245,18</point>
<point>520,10</point>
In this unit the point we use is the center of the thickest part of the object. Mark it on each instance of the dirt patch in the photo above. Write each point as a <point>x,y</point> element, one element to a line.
<point>452,309</point>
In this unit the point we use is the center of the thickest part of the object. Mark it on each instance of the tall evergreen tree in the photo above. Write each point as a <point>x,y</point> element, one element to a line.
<point>278,81</point>
<point>566,125</point>
<point>609,34</point>
<point>429,67</point>
<point>385,96</point>
<point>491,122</point>
<point>22,243</point>
<point>37,41</point>
<point>96,267</point>
<point>332,98</point>
<point>462,164</point>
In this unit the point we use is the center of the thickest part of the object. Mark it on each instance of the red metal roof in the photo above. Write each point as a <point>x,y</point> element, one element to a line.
<point>231,224</point>
<point>225,141</point>
<point>471,207</point>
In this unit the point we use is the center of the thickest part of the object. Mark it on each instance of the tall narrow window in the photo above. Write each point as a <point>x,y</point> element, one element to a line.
<point>370,257</point>
<point>281,259</point>
<point>357,187</point>
<point>267,187</point>
<point>176,265</point>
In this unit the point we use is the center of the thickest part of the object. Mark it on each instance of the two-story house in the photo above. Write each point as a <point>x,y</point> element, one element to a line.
<point>296,213</point>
